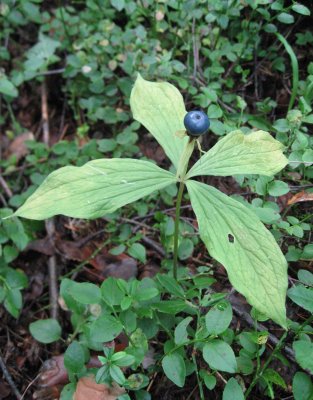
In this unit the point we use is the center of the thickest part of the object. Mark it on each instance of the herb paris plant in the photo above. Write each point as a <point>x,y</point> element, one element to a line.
<point>255,264</point>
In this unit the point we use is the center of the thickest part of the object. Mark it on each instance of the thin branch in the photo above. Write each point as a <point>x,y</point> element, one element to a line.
<point>50,227</point>
<point>9,379</point>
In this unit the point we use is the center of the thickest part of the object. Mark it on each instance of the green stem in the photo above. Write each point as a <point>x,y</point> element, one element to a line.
<point>176,231</point>
<point>266,364</point>
<point>295,69</point>
<point>181,173</point>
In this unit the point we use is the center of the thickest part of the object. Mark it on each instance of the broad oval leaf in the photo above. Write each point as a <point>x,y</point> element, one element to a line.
<point>233,391</point>
<point>218,319</point>
<point>46,330</point>
<point>95,189</point>
<point>105,328</point>
<point>237,153</point>
<point>303,353</point>
<point>219,355</point>
<point>175,368</point>
<point>85,292</point>
<point>159,106</point>
<point>237,239</point>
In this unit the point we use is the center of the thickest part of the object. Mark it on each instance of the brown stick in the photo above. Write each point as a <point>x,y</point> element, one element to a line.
<point>5,187</point>
<point>50,227</point>
<point>9,379</point>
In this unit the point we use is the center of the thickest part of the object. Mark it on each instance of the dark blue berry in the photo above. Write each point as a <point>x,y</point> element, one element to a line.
<point>196,123</point>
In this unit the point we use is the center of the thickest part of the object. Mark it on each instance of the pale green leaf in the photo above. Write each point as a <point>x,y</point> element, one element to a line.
<point>219,355</point>
<point>233,391</point>
<point>174,368</point>
<point>236,153</point>
<point>236,238</point>
<point>95,189</point>
<point>159,106</point>
<point>303,352</point>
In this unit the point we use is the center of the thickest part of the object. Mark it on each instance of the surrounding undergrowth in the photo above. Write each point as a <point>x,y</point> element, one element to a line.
<point>67,71</point>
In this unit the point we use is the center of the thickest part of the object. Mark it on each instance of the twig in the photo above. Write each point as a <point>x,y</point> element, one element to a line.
<point>50,227</point>
<point>9,379</point>
<point>5,187</point>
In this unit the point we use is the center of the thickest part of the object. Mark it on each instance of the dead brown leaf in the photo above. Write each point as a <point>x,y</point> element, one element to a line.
<point>88,389</point>
<point>18,146</point>
<point>299,197</point>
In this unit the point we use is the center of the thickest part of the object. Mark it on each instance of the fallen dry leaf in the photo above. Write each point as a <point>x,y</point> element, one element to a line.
<point>88,389</point>
<point>18,146</point>
<point>301,196</point>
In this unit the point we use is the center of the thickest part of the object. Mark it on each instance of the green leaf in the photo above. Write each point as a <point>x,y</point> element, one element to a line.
<point>138,251</point>
<point>285,18</point>
<point>159,106</point>
<point>302,386</point>
<point>171,285</point>
<point>236,153</point>
<point>111,292</point>
<point>105,329</point>
<point>303,352</point>
<point>118,4</point>
<point>74,357</point>
<point>233,390</point>
<point>174,368</point>
<point>219,355</point>
<point>278,188</point>
<point>46,330</point>
<point>272,376</point>
<point>185,249</point>
<point>6,87</point>
<point>218,318</point>
<point>95,189</point>
<point>237,239</point>
<point>180,334</point>
<point>85,293</point>
<point>302,296</point>
<point>301,9</point>
<point>68,391</point>
<point>117,374</point>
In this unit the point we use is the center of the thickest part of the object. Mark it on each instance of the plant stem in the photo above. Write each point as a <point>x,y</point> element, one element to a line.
<point>176,231</point>
<point>181,173</point>
<point>266,364</point>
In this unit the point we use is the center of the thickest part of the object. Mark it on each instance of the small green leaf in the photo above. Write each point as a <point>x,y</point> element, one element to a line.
<point>170,306</point>
<point>171,285</point>
<point>285,18</point>
<point>233,391</point>
<point>95,189</point>
<point>303,353</point>
<point>138,251</point>
<point>180,334</point>
<point>111,292</point>
<point>218,319</point>
<point>160,108</point>
<point>185,249</point>
<point>118,4</point>
<point>68,391</point>
<point>174,368</point>
<point>278,188</point>
<point>302,387</point>
<point>74,357</point>
<point>302,296</point>
<point>271,376</point>
<point>236,153</point>
<point>301,9</point>
<point>6,87</point>
<point>46,330</point>
<point>105,329</point>
<point>219,355</point>
<point>85,293</point>
<point>117,374</point>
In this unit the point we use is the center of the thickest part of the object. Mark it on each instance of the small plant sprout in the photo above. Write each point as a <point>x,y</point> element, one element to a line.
<point>232,233</point>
